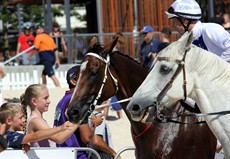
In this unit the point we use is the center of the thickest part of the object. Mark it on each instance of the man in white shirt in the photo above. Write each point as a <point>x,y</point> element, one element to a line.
<point>186,14</point>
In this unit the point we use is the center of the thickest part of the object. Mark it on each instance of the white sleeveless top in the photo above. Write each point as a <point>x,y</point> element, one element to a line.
<point>41,143</point>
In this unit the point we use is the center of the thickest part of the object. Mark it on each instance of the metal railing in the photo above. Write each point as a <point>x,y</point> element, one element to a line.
<point>46,153</point>
<point>80,42</point>
<point>128,148</point>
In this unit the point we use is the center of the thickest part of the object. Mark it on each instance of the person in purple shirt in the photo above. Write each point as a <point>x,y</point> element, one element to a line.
<point>84,133</point>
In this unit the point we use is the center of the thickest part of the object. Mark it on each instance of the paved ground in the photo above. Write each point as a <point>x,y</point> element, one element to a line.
<point>120,128</point>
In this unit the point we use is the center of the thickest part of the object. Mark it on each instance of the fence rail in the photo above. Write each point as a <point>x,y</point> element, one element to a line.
<point>46,153</point>
<point>20,77</point>
<point>80,42</point>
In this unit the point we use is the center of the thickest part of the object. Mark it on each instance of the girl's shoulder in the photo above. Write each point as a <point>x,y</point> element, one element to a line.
<point>37,123</point>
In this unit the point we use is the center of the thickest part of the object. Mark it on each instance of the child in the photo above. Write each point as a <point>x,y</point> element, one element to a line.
<point>36,97</point>
<point>12,114</point>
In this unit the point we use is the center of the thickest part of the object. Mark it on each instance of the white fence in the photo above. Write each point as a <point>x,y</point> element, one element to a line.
<point>45,153</point>
<point>20,77</point>
<point>54,153</point>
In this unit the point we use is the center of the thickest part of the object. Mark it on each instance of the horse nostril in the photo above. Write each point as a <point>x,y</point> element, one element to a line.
<point>76,111</point>
<point>155,103</point>
<point>135,108</point>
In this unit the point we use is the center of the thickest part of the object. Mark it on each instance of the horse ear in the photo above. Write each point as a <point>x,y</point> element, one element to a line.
<point>92,42</point>
<point>113,44</point>
<point>186,40</point>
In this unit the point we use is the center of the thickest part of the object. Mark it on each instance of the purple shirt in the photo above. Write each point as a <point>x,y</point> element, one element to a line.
<point>60,119</point>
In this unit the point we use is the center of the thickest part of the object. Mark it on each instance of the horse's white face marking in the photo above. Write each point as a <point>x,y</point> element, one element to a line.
<point>82,68</point>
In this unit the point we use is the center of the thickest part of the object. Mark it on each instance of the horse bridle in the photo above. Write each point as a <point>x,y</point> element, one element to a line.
<point>161,95</point>
<point>107,64</point>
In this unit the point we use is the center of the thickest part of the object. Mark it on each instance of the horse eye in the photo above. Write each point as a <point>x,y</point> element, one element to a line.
<point>94,73</point>
<point>165,70</point>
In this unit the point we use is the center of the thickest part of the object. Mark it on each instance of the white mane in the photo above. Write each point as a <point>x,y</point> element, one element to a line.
<point>202,61</point>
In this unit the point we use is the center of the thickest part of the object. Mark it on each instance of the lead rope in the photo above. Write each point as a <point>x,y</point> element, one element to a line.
<point>108,104</point>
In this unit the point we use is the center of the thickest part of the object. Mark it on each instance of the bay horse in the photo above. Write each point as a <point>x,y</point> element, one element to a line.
<point>102,72</point>
<point>183,70</point>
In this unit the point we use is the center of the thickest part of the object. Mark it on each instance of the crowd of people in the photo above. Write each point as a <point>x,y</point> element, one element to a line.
<point>50,49</point>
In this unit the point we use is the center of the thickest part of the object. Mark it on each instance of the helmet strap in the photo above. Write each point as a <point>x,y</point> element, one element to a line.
<point>185,26</point>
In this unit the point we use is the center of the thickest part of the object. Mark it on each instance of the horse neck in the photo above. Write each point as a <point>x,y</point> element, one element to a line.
<point>130,75</point>
<point>211,75</point>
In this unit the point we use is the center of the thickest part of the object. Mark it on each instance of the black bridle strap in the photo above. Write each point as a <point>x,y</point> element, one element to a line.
<point>178,70</point>
<point>171,118</point>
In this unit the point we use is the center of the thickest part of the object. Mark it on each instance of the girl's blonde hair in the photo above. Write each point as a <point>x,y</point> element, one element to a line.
<point>32,91</point>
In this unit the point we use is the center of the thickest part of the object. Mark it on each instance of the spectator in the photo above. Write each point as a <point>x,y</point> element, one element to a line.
<point>12,115</point>
<point>48,54</point>
<point>3,143</point>
<point>186,14</point>
<point>165,38</point>
<point>79,45</point>
<point>226,23</point>
<point>36,96</point>
<point>82,135</point>
<point>149,47</point>
<point>218,18</point>
<point>25,41</point>
<point>101,140</point>
<point>60,42</point>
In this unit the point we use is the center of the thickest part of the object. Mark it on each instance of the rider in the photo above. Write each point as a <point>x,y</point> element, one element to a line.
<point>186,14</point>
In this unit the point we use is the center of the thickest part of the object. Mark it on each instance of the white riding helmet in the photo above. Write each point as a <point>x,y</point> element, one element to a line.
<point>188,9</point>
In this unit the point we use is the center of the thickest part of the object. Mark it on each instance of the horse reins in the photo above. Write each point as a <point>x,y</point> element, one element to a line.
<point>181,66</point>
<point>160,96</point>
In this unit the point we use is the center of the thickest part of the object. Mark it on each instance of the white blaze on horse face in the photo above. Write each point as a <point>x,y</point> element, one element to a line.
<point>82,68</point>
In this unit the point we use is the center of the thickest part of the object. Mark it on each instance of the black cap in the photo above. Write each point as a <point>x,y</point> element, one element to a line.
<point>72,73</point>
<point>55,25</point>
<point>39,26</point>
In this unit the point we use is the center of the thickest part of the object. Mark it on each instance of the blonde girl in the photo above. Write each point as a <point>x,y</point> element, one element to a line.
<point>36,97</point>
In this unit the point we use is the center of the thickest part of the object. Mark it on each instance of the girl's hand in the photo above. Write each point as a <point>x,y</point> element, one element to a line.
<point>69,126</point>
<point>25,148</point>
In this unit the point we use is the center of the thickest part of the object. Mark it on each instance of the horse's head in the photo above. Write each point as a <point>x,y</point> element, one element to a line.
<point>166,82</point>
<point>95,84</point>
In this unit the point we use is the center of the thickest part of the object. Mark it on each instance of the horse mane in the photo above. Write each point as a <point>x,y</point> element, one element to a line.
<point>103,51</point>
<point>200,59</point>
<point>126,56</point>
